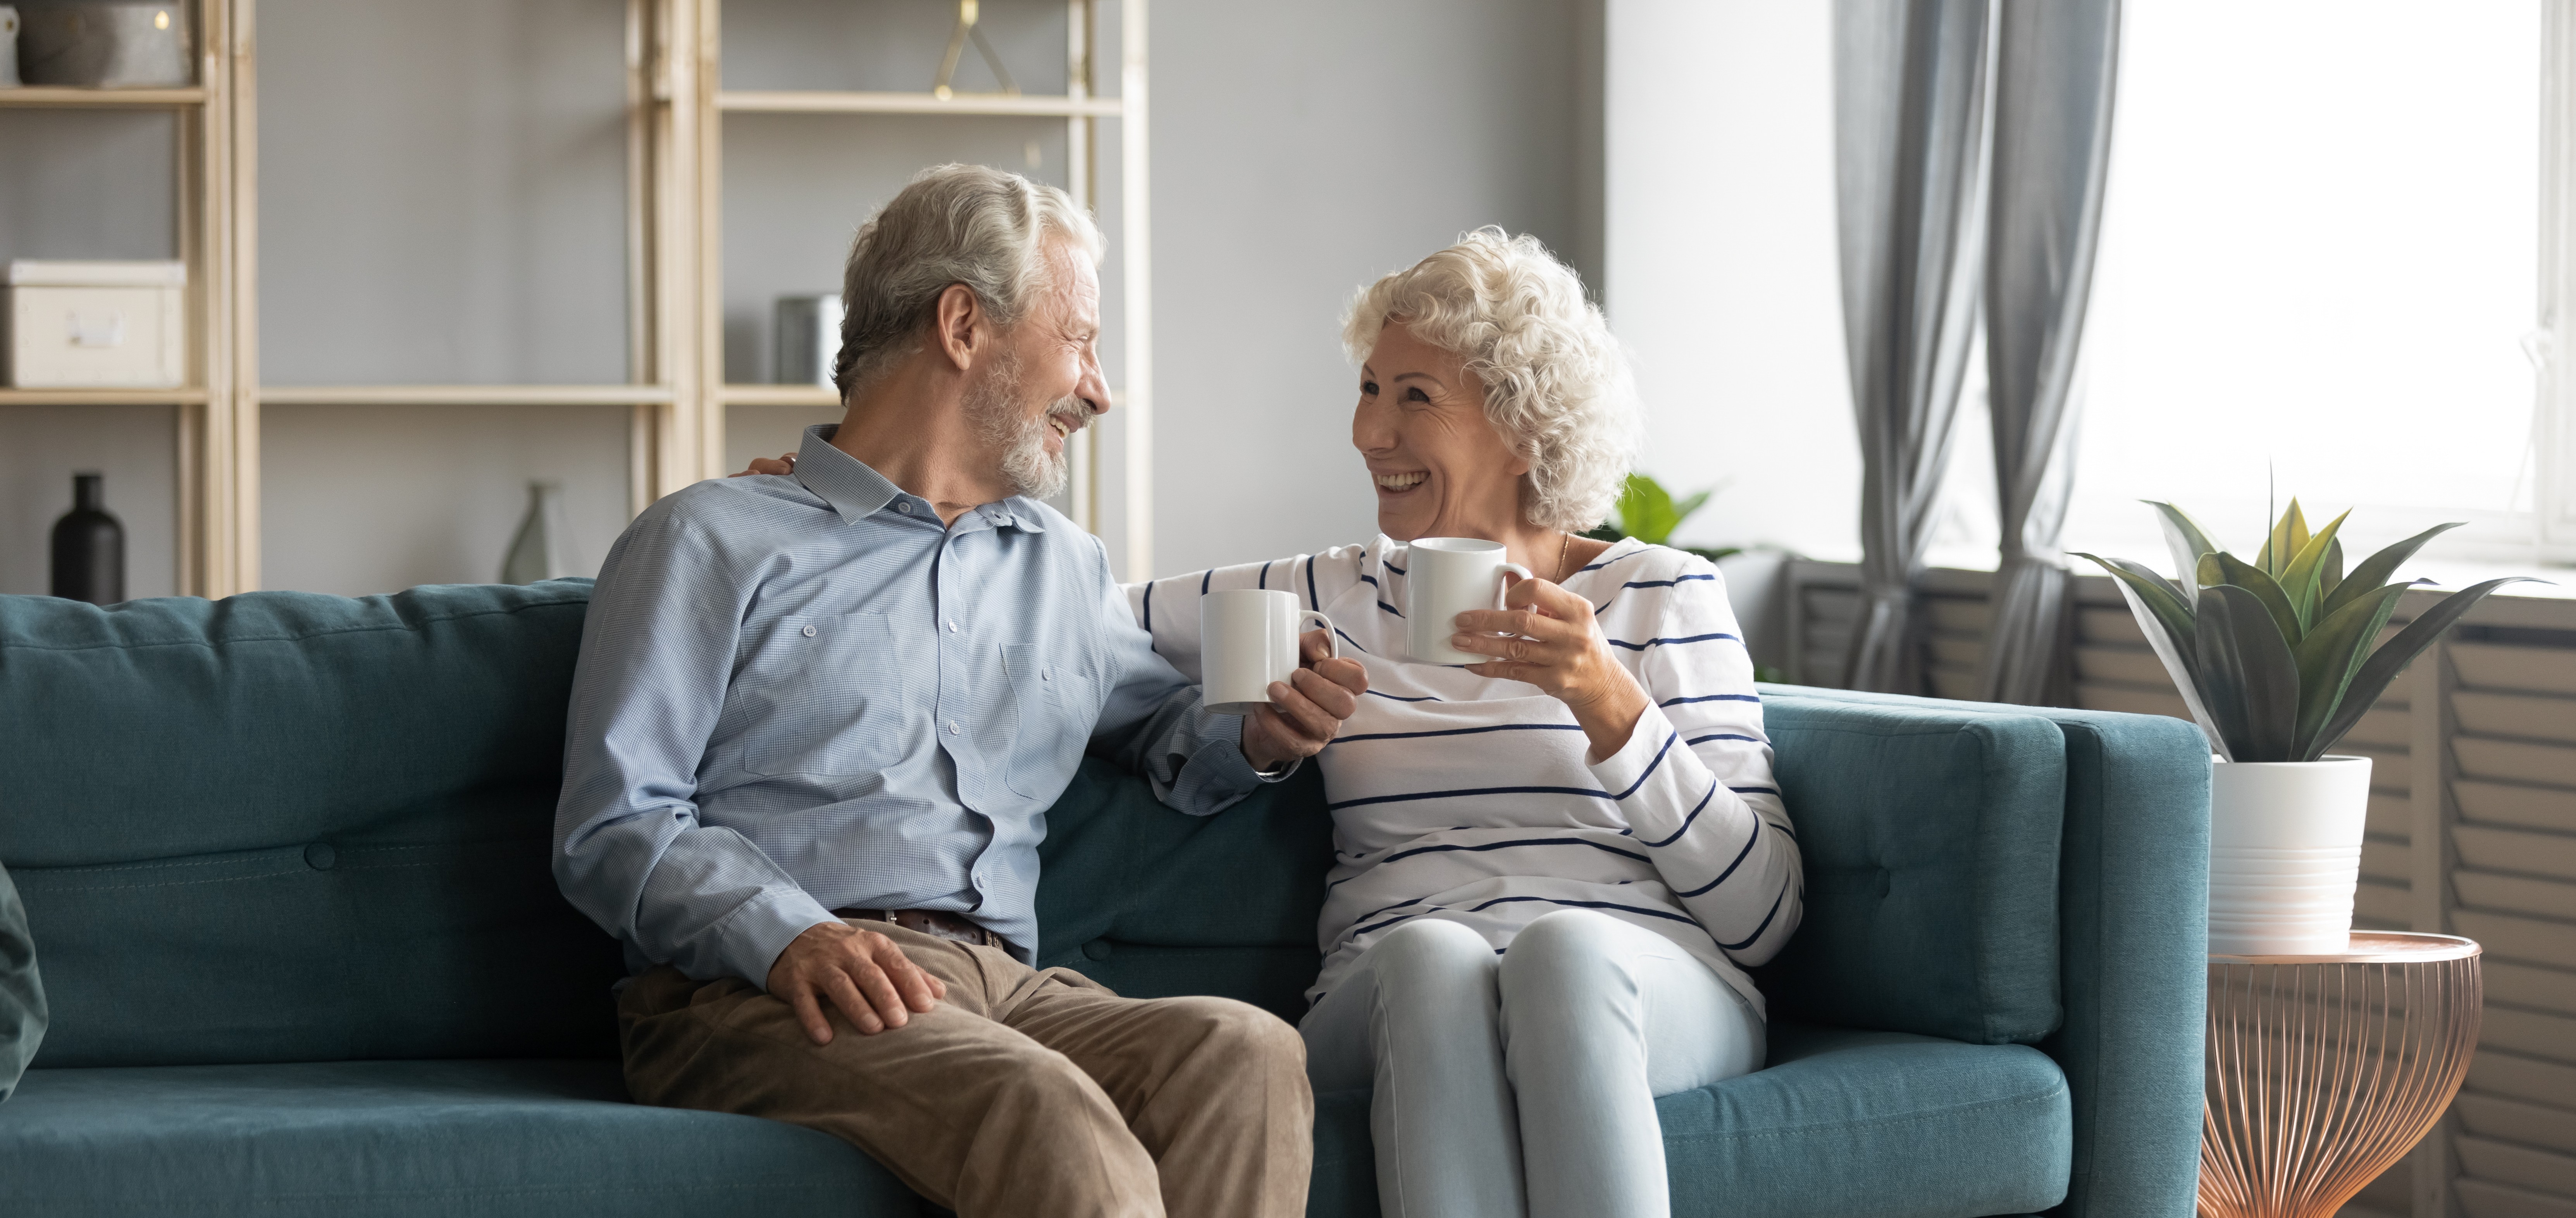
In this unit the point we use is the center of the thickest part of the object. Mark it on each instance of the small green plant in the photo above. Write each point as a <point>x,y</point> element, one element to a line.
<point>2274,656</point>
<point>1649,513</point>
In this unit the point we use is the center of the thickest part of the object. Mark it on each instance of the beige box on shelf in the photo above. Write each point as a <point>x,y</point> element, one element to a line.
<point>94,325</point>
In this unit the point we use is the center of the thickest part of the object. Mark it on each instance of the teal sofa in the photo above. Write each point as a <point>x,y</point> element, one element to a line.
<point>284,862</point>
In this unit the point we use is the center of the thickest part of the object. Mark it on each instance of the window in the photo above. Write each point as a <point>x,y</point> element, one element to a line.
<point>2319,271</point>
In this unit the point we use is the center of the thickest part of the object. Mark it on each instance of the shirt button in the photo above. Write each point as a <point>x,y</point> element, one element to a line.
<point>809,632</point>
<point>952,625</point>
<point>903,507</point>
<point>952,727</point>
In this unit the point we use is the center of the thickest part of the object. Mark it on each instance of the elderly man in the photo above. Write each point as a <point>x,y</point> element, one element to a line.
<point>817,722</point>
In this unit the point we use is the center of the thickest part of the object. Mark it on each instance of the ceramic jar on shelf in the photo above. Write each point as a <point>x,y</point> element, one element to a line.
<point>105,44</point>
<point>89,547</point>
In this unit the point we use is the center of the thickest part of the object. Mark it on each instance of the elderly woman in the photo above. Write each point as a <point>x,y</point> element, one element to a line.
<point>1553,866</point>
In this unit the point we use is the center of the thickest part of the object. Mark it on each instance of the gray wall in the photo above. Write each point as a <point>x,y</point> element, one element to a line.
<point>1298,154</point>
<point>442,192</point>
<point>443,201</point>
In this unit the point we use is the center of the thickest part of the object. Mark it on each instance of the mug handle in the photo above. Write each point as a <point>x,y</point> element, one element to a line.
<point>1501,587</point>
<point>1331,638</point>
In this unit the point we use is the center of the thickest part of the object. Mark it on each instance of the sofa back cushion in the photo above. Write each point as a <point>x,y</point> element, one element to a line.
<point>1155,902</point>
<point>288,827</point>
<point>1930,838</point>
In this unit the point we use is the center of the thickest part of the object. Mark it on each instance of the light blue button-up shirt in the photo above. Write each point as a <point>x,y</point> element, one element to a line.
<point>803,693</point>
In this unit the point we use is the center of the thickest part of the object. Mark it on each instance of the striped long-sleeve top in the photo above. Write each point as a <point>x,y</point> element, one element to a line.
<point>1472,800</point>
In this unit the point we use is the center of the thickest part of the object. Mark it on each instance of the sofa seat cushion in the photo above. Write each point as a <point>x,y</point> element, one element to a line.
<point>1846,1123</point>
<point>547,1139</point>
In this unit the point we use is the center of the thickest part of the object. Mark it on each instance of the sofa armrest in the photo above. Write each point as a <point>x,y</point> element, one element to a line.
<point>2135,935</point>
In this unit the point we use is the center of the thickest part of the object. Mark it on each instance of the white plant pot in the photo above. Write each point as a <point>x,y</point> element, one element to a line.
<point>2284,854</point>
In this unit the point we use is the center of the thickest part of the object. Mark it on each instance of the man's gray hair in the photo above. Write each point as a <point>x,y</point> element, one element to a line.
<point>954,224</point>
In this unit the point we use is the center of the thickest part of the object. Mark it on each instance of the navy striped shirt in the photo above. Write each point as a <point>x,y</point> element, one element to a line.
<point>1474,801</point>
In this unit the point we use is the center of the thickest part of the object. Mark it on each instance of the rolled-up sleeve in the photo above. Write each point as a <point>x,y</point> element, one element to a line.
<point>630,851</point>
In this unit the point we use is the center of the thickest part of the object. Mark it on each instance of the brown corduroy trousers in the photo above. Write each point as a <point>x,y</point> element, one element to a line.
<point>1021,1093</point>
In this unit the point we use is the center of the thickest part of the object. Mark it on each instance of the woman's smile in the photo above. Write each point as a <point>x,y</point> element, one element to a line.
<point>1391,485</point>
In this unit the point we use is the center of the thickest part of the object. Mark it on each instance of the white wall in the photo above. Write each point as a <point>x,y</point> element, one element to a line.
<point>1300,152</point>
<point>1722,267</point>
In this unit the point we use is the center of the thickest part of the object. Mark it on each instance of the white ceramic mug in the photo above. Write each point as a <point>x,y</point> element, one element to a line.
<point>1447,576</point>
<point>1248,639</point>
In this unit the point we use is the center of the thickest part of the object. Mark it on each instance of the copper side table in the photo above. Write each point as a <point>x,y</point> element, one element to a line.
<point>2325,1070</point>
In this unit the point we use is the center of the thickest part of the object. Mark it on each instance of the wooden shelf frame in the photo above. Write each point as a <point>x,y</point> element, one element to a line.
<point>104,397</point>
<point>56,97</point>
<point>788,101</point>
<point>813,396</point>
<point>675,107</point>
<point>465,395</point>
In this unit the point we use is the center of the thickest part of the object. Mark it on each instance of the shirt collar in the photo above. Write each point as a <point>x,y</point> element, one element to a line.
<point>857,492</point>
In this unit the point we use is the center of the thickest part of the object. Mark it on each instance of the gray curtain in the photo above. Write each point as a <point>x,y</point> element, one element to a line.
<point>1909,167</point>
<point>2054,67</point>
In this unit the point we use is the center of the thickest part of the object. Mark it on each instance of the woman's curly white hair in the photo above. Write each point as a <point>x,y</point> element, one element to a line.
<point>1556,383</point>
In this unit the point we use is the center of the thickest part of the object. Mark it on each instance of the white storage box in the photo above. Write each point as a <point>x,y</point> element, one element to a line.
<point>88,325</point>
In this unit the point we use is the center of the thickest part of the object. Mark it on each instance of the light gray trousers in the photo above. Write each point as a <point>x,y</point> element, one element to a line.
<point>1525,1083</point>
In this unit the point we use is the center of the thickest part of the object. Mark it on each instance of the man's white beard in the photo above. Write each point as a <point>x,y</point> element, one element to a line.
<point>995,407</point>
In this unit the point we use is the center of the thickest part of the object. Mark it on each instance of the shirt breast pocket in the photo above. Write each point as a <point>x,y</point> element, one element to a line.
<point>1056,711</point>
<point>836,695</point>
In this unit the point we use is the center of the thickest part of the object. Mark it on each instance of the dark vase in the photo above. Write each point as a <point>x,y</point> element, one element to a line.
<point>89,547</point>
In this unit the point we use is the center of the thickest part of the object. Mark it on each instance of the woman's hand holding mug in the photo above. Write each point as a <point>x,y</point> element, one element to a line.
<point>1547,637</point>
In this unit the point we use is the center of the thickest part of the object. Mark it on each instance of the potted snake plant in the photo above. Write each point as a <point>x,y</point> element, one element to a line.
<point>2277,659</point>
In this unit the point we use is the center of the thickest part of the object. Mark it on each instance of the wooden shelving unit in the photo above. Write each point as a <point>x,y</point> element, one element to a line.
<point>211,472</point>
<point>675,107</point>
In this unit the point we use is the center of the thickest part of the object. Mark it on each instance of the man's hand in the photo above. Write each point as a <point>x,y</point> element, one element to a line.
<point>785,464</point>
<point>862,972</point>
<point>1305,711</point>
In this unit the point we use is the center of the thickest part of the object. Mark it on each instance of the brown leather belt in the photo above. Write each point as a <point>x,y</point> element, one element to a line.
<point>937,923</point>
